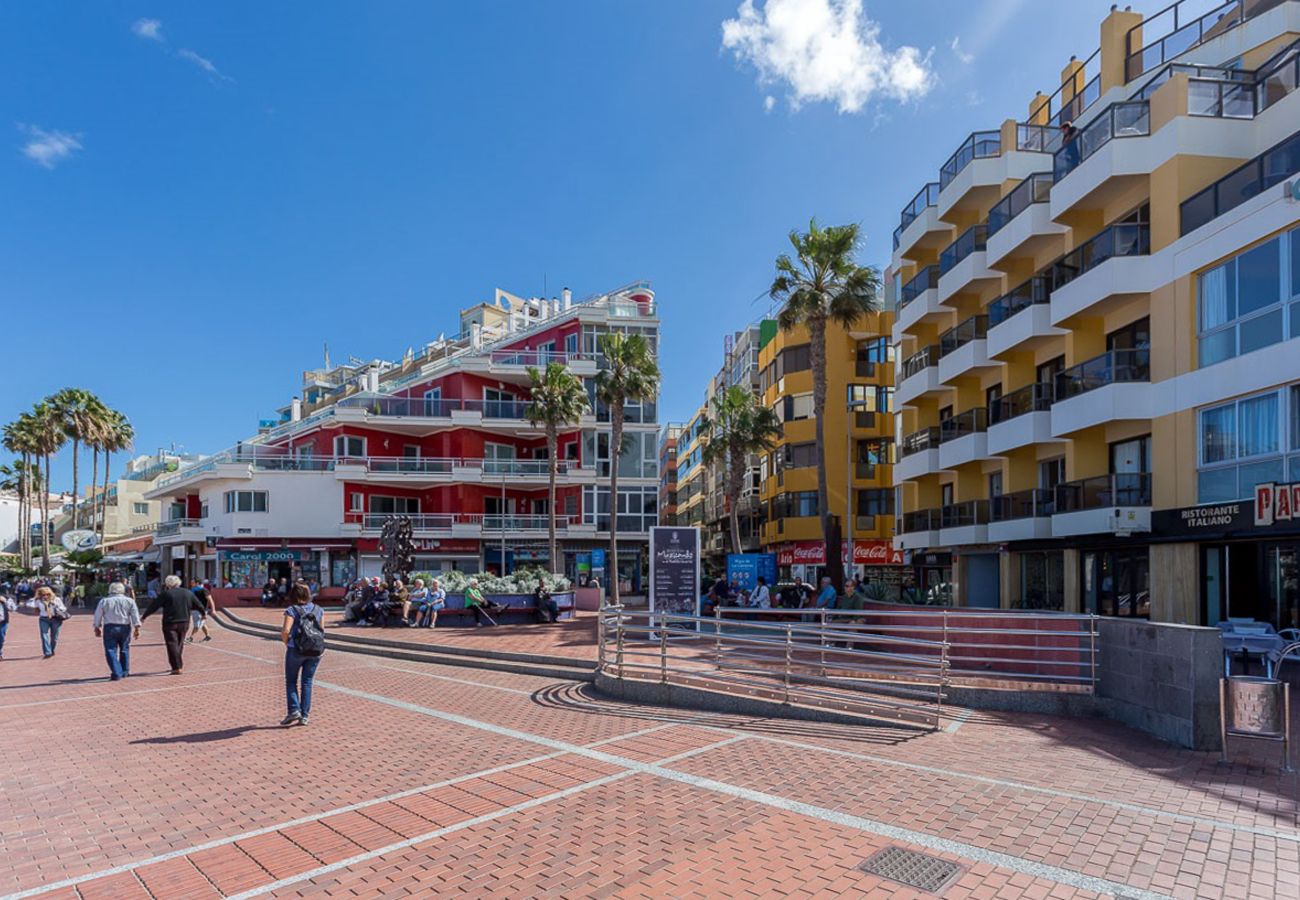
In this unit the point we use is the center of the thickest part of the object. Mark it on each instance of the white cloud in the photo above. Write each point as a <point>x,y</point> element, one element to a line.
<point>769,103</point>
<point>825,50</point>
<point>48,148</point>
<point>202,62</point>
<point>149,29</point>
<point>962,55</point>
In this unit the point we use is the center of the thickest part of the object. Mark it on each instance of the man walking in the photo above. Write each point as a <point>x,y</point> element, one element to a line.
<point>116,617</point>
<point>198,621</point>
<point>176,604</point>
<point>7,607</point>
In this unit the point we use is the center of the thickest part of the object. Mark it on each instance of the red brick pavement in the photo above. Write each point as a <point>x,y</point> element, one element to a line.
<point>444,780</point>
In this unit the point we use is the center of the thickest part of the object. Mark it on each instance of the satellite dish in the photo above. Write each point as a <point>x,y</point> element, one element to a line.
<point>79,540</point>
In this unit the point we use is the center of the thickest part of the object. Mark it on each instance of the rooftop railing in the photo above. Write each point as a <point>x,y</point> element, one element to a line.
<point>972,421</point>
<point>928,196</point>
<point>1028,504</point>
<point>1113,367</point>
<point>920,360</point>
<point>1021,297</point>
<point>435,408</point>
<point>926,279</point>
<point>1037,138</point>
<point>976,328</point>
<point>1069,101</point>
<point>1035,397</point>
<point>1037,188</point>
<point>1102,491</point>
<point>925,439</point>
<point>1270,168</point>
<point>980,145</point>
<point>1120,239</point>
<point>1131,118</point>
<point>1182,26</point>
<point>970,241</point>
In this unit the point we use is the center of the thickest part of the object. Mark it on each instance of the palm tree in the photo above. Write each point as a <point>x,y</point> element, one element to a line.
<point>824,284</point>
<point>81,413</point>
<point>49,437</point>
<point>16,479</point>
<point>558,400</point>
<point>19,437</point>
<point>117,436</point>
<point>628,374</point>
<point>739,427</point>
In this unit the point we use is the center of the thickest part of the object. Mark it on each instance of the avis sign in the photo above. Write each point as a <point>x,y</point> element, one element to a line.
<point>1276,503</point>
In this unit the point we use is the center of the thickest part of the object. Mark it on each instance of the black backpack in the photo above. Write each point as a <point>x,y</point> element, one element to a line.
<point>308,637</point>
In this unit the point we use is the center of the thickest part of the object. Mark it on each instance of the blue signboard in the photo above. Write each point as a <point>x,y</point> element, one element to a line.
<point>745,568</point>
<point>598,558</point>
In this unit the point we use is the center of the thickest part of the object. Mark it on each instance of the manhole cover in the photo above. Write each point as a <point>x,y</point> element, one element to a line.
<point>928,873</point>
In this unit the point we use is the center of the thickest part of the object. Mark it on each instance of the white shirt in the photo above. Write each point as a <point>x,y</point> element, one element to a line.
<point>761,598</point>
<point>117,609</point>
<point>6,607</point>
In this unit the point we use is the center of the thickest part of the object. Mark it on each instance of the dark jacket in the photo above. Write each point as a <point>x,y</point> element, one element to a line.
<point>175,604</point>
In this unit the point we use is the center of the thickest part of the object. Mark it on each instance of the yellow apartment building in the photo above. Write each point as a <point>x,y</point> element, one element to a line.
<point>1098,385</point>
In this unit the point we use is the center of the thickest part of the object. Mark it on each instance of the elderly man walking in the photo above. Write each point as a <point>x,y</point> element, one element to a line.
<point>116,619</point>
<point>176,604</point>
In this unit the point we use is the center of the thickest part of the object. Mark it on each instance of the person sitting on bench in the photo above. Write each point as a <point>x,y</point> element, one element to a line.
<point>547,609</point>
<point>481,607</point>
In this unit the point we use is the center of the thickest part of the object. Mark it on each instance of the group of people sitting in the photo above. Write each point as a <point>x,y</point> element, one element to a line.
<point>376,603</point>
<point>795,595</point>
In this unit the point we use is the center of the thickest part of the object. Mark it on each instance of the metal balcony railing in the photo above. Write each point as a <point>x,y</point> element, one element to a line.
<point>980,145</point>
<point>921,520</point>
<point>1033,503</point>
<point>1121,239</point>
<point>1037,188</point>
<point>1037,138</point>
<point>1130,118</point>
<point>961,515</point>
<point>1113,367</point>
<point>1270,168</point>
<point>917,441</point>
<point>921,360</point>
<point>1182,26</point>
<point>923,281</point>
<point>928,196</point>
<point>537,358</point>
<point>417,407</point>
<point>1103,491</point>
<point>972,240</point>
<point>1035,290</point>
<point>1035,397</point>
<point>174,526</point>
<point>976,328</point>
<point>972,421</point>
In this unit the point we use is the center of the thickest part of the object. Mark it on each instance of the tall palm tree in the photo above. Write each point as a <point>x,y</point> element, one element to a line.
<point>81,413</point>
<point>558,400</point>
<point>824,284</point>
<point>117,436</point>
<point>50,436</point>
<point>19,437</point>
<point>628,374</point>
<point>739,427</point>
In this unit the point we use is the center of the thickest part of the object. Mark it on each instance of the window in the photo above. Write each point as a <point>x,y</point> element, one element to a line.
<point>245,501</point>
<point>1134,336</point>
<point>870,397</point>
<point>995,484</point>
<point>875,502</point>
<point>1240,302</point>
<point>395,505</point>
<point>571,344</point>
<point>356,501</point>
<point>793,359</point>
<point>1046,372</point>
<point>800,456</point>
<point>433,402</point>
<point>1042,580</point>
<point>1240,445</point>
<point>875,351</point>
<point>349,445</point>
<point>1051,472</point>
<point>796,504</point>
<point>140,509</point>
<point>203,510</point>
<point>793,408</point>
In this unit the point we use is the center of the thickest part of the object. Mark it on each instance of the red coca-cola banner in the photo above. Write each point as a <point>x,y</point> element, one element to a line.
<point>865,553</point>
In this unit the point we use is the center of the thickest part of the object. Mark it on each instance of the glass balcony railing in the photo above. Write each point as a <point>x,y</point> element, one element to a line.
<point>1182,26</point>
<point>175,525</point>
<point>976,328</point>
<point>1022,505</point>
<point>1075,96</point>
<point>1036,397</point>
<point>1114,367</point>
<point>961,515</point>
<point>970,241</point>
<point>1102,491</point>
<point>921,520</point>
<point>1263,172</point>
<point>1037,138</point>
<point>1037,188</point>
<point>1131,118</point>
<point>917,441</point>
<point>925,280</point>
<point>1035,290</point>
<point>921,360</point>
<point>980,145</point>
<point>972,421</point>
<point>433,408</point>
<point>928,196</point>
<point>1122,239</point>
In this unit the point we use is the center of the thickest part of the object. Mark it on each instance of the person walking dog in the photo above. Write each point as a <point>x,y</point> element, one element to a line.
<point>176,604</point>
<point>303,634</point>
<point>116,617</point>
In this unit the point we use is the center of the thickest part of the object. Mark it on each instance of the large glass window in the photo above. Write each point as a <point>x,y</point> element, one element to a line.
<point>800,456</point>
<point>1240,303</point>
<point>795,504</point>
<point>395,505</point>
<point>1241,446</point>
<point>1042,580</point>
<point>245,501</point>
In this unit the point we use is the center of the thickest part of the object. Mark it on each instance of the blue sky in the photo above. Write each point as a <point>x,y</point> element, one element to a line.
<point>196,197</point>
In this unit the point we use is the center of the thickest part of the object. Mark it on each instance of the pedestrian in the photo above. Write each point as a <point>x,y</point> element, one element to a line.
<point>52,614</point>
<point>268,593</point>
<point>198,620</point>
<point>176,604</point>
<point>828,596</point>
<point>480,606</point>
<point>116,619</point>
<point>303,634</point>
<point>761,598</point>
<point>282,591</point>
<point>152,588</point>
<point>548,611</point>
<point>7,608</point>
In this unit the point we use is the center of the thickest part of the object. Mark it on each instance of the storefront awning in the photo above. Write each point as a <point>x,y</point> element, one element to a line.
<point>283,544</point>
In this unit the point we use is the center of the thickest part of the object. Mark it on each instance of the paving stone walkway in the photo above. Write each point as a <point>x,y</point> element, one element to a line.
<point>417,780</point>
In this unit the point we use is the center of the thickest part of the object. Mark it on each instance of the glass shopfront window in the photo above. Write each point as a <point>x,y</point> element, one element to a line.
<point>1117,582</point>
<point>1042,580</point>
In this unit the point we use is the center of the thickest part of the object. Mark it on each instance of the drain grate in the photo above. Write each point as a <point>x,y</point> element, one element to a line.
<point>928,873</point>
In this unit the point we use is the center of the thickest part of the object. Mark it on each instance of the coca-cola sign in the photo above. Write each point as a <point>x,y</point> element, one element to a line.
<point>865,553</point>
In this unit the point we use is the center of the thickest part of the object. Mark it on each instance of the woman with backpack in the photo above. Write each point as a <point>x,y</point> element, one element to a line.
<point>303,634</point>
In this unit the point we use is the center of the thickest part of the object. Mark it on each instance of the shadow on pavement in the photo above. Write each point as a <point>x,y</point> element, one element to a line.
<point>204,737</point>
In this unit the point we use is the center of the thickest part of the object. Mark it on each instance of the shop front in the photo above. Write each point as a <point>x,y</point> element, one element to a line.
<point>930,573</point>
<point>874,562</point>
<point>249,566</point>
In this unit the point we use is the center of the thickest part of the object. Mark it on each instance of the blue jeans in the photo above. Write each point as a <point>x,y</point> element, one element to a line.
<point>4,626</point>
<point>293,665</point>
<point>117,649</point>
<point>50,635</point>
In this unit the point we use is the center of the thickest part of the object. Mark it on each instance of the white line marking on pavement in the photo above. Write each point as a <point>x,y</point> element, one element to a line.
<point>957,721</point>
<point>461,826</point>
<point>110,695</point>
<point>871,826</point>
<point>313,817</point>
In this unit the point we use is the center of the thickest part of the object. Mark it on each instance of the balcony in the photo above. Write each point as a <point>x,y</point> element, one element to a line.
<point>963,438</point>
<point>918,455</point>
<point>962,349</point>
<point>918,375</point>
<point>980,145</point>
<point>1021,318</point>
<point>1128,119</point>
<point>1112,263</point>
<point>517,362</point>
<point>961,265</point>
<point>919,530</point>
<point>1112,387</point>
<point>918,299</point>
<point>426,469</point>
<point>1255,177</point>
<point>1182,26</point>
<point>1118,503</point>
<point>473,524</point>
<point>1021,223</point>
<point>1022,418</point>
<point>964,523</point>
<point>919,225</point>
<point>1021,516</point>
<point>179,531</point>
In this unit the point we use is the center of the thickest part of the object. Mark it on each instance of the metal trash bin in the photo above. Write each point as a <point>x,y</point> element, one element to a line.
<point>1254,707</point>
